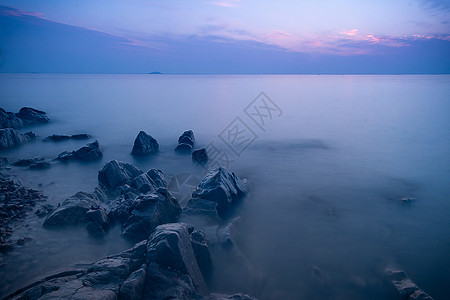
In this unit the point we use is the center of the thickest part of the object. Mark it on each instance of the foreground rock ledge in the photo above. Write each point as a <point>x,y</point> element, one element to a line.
<point>165,266</point>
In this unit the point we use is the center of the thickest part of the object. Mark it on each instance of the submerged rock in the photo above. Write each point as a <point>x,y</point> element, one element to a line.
<point>31,116</point>
<point>44,210</point>
<point>10,138</point>
<point>185,142</point>
<point>65,137</point>
<point>405,287</point>
<point>26,162</point>
<point>116,173</point>
<point>200,156</point>
<point>73,210</point>
<point>220,187</point>
<point>40,165</point>
<point>144,144</point>
<point>91,151</point>
<point>140,216</point>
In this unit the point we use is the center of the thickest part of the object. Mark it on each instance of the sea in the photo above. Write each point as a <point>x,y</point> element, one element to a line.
<point>348,175</point>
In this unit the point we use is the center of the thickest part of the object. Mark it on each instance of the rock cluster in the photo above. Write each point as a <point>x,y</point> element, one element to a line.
<point>186,142</point>
<point>164,266</point>
<point>25,117</point>
<point>36,163</point>
<point>16,202</point>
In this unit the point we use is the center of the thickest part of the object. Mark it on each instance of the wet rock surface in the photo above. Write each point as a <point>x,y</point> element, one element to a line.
<point>11,138</point>
<point>116,173</point>
<point>65,137</point>
<point>91,151</point>
<point>144,144</point>
<point>16,201</point>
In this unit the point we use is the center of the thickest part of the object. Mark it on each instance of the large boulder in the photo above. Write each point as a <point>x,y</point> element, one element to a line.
<point>170,248</point>
<point>31,116</point>
<point>149,181</point>
<point>73,210</point>
<point>221,187</point>
<point>140,216</point>
<point>116,173</point>
<point>144,144</point>
<point>10,138</point>
<point>9,120</point>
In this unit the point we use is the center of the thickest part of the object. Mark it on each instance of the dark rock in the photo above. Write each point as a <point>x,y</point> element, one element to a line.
<point>133,287</point>
<point>149,181</point>
<point>73,210</point>
<point>95,230</point>
<point>171,248</point>
<point>405,286</point>
<point>187,138</point>
<point>116,173</point>
<point>201,251</point>
<point>98,215</point>
<point>221,187</point>
<point>140,216</point>
<point>40,165</point>
<point>10,138</point>
<point>184,148</point>
<point>200,156</point>
<point>225,233</point>
<point>44,210</point>
<point>91,151</point>
<point>27,161</point>
<point>144,144</point>
<point>3,161</point>
<point>9,120</point>
<point>31,116</point>
<point>238,296</point>
<point>65,137</point>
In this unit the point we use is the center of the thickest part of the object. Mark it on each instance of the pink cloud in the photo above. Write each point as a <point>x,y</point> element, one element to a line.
<point>6,11</point>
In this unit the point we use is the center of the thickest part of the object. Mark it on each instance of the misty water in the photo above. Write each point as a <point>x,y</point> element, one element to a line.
<point>326,174</point>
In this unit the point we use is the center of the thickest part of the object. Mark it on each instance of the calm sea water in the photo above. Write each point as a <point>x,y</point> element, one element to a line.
<point>323,218</point>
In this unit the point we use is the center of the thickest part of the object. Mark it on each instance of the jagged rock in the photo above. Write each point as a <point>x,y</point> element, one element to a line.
<point>40,165</point>
<point>149,181</point>
<point>185,142</point>
<point>170,247</point>
<point>201,207</point>
<point>187,138</point>
<point>200,156</point>
<point>144,144</point>
<point>65,137</point>
<point>221,187</point>
<point>10,138</point>
<point>184,148</point>
<point>73,210</point>
<point>31,116</point>
<point>133,287</point>
<point>9,120</point>
<point>140,216</point>
<point>201,251</point>
<point>44,210</point>
<point>26,162</point>
<point>91,151</point>
<point>405,286</point>
<point>116,173</point>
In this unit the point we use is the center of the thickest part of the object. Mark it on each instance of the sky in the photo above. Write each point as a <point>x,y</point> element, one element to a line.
<point>225,36</point>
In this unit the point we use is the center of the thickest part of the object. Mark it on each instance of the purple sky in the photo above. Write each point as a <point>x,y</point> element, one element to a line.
<point>225,36</point>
